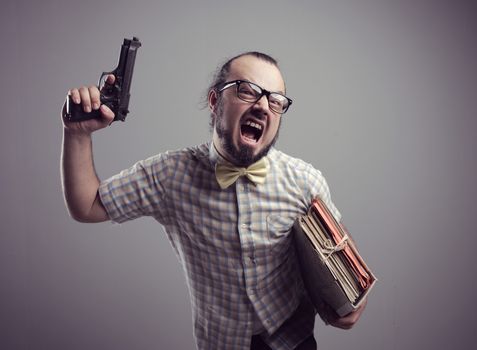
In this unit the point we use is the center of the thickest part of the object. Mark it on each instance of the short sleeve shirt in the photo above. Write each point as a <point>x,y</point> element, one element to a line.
<point>235,244</point>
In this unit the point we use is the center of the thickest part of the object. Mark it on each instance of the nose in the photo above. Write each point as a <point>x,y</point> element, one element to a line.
<point>262,106</point>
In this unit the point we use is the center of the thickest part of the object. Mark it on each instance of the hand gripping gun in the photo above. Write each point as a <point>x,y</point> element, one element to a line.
<point>115,96</point>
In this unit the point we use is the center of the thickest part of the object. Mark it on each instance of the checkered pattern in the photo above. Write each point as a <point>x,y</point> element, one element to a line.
<point>234,244</point>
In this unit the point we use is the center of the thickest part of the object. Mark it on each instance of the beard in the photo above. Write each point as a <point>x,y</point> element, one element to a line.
<point>242,156</point>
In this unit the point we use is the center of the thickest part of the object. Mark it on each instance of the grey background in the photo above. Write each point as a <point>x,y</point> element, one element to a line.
<point>385,102</point>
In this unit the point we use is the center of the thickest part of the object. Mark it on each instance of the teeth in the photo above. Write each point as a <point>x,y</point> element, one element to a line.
<point>254,125</point>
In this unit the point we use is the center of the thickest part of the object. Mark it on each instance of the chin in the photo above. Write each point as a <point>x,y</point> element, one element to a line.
<point>245,155</point>
<point>243,152</point>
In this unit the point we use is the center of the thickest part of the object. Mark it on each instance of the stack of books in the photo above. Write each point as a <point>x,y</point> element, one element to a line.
<point>335,276</point>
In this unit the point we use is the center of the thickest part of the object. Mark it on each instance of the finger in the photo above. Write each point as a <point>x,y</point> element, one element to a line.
<point>110,79</point>
<point>363,305</point>
<point>85,99</point>
<point>348,321</point>
<point>107,114</point>
<point>342,323</point>
<point>107,84</point>
<point>94,95</point>
<point>75,96</point>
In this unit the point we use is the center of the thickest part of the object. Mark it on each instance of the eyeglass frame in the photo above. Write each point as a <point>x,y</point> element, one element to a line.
<point>264,92</point>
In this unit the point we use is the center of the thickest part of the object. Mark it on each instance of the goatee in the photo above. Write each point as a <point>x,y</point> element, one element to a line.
<point>242,156</point>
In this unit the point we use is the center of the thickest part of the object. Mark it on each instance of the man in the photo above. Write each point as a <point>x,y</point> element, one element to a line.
<point>230,227</point>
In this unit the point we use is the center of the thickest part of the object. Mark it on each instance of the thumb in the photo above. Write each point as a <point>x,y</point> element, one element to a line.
<point>106,114</point>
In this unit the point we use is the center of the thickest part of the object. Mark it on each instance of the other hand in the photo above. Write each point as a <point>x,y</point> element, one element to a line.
<point>348,321</point>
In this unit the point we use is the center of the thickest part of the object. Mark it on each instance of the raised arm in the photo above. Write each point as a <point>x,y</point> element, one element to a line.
<point>79,180</point>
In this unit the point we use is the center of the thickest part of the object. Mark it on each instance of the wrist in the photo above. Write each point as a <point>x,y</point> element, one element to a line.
<point>77,134</point>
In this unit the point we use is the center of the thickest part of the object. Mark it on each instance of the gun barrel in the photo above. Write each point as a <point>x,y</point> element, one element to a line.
<point>124,73</point>
<point>130,49</point>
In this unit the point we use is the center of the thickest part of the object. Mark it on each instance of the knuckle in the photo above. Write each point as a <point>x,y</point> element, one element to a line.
<point>84,92</point>
<point>94,93</point>
<point>74,95</point>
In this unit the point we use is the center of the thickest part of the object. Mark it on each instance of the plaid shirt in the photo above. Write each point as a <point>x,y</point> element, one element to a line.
<point>234,244</point>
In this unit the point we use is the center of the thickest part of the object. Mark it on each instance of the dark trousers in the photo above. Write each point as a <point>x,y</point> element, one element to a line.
<point>258,344</point>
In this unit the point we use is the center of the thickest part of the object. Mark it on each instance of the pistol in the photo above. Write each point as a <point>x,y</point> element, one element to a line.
<point>115,96</point>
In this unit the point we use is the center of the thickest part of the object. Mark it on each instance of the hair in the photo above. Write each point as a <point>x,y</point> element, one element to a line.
<point>221,74</point>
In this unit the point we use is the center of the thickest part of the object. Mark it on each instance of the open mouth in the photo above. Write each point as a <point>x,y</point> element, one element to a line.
<point>251,131</point>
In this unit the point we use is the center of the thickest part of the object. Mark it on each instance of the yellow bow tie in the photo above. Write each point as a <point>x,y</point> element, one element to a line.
<point>227,173</point>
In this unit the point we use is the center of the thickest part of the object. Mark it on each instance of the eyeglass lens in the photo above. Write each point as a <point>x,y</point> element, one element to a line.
<point>251,92</point>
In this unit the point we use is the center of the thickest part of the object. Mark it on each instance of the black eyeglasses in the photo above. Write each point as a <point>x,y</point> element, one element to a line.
<point>250,92</point>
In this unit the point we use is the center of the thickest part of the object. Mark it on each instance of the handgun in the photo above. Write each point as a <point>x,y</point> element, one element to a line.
<point>115,96</point>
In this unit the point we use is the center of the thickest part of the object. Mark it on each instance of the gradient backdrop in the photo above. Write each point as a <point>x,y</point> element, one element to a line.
<point>385,101</point>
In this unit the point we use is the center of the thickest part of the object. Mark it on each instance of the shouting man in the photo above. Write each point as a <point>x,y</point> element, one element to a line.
<point>227,206</point>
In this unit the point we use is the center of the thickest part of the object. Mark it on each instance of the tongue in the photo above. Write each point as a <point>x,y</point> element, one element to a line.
<point>248,134</point>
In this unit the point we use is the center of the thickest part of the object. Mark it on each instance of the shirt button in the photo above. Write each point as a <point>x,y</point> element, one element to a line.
<point>244,226</point>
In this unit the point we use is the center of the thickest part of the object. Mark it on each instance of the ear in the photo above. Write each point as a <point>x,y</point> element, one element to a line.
<point>212,99</point>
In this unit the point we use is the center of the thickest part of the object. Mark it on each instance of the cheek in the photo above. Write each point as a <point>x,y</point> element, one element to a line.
<point>232,115</point>
<point>274,128</point>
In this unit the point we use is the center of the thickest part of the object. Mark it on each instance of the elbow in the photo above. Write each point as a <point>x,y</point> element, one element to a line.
<point>76,216</point>
<point>92,216</point>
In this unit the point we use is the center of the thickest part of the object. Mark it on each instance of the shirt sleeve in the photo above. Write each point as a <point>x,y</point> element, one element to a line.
<point>137,191</point>
<point>320,188</point>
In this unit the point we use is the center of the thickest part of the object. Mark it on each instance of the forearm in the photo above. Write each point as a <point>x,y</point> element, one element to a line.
<point>79,179</point>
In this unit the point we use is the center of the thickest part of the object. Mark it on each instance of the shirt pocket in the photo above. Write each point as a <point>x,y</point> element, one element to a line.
<point>279,232</point>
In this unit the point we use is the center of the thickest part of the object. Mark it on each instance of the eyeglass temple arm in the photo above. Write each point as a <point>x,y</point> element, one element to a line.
<point>226,86</point>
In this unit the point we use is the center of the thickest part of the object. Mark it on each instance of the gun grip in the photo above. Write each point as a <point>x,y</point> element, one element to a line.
<point>75,112</point>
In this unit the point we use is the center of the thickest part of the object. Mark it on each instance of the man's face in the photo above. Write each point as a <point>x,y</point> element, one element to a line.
<point>244,131</point>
